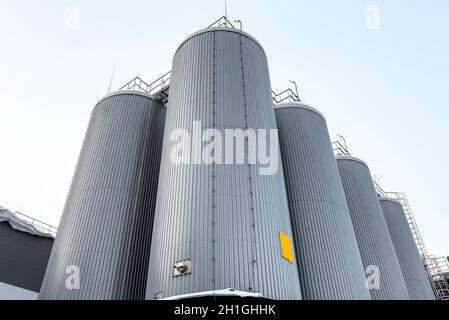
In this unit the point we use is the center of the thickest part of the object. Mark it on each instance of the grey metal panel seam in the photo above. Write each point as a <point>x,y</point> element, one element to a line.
<point>412,267</point>
<point>376,247</point>
<point>249,175</point>
<point>214,169</point>
<point>330,265</point>
<point>211,221</point>
<point>107,221</point>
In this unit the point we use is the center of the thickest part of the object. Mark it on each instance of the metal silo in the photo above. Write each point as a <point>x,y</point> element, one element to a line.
<point>221,226</point>
<point>103,242</point>
<point>330,266</point>
<point>376,247</point>
<point>412,267</point>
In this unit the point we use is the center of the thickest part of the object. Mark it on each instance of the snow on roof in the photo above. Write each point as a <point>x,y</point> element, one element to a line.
<point>23,225</point>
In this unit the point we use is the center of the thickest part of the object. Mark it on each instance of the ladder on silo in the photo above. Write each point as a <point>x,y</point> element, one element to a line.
<point>439,269</point>
<point>436,267</point>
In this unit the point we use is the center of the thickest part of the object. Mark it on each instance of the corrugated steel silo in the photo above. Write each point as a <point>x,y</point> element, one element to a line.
<point>415,275</point>
<point>222,222</point>
<point>330,265</point>
<point>106,226</point>
<point>371,230</point>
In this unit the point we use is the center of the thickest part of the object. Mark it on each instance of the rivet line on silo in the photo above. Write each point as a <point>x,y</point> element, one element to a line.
<point>252,217</point>
<point>214,181</point>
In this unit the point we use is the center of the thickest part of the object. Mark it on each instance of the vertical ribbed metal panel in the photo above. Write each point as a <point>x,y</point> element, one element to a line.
<point>330,266</point>
<point>224,218</point>
<point>107,221</point>
<point>412,267</point>
<point>376,247</point>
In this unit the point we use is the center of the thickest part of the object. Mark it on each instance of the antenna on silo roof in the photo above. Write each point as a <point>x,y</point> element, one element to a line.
<point>226,10</point>
<point>112,76</point>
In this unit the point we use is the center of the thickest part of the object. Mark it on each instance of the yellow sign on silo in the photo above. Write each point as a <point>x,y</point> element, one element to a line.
<point>286,248</point>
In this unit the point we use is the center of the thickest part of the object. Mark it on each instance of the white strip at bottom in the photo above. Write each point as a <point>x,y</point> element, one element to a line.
<point>9,292</point>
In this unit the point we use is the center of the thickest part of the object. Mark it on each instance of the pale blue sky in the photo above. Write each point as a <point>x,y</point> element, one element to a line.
<point>386,90</point>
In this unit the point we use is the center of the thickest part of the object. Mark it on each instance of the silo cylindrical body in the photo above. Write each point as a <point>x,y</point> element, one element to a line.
<point>330,265</point>
<point>415,276</point>
<point>384,274</point>
<point>226,222</point>
<point>103,242</point>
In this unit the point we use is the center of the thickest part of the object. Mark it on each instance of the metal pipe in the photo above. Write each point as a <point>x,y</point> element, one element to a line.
<point>296,87</point>
<point>239,22</point>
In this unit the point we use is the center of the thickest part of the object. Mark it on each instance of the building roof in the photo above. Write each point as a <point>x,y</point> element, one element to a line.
<point>23,225</point>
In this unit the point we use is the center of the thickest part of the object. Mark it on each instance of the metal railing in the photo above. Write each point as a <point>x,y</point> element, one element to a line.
<point>154,87</point>
<point>158,88</point>
<point>438,270</point>
<point>339,149</point>
<point>136,84</point>
<point>37,223</point>
<point>222,22</point>
<point>160,84</point>
<point>286,95</point>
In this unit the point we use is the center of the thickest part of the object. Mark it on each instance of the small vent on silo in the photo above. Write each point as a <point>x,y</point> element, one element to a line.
<point>182,268</point>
